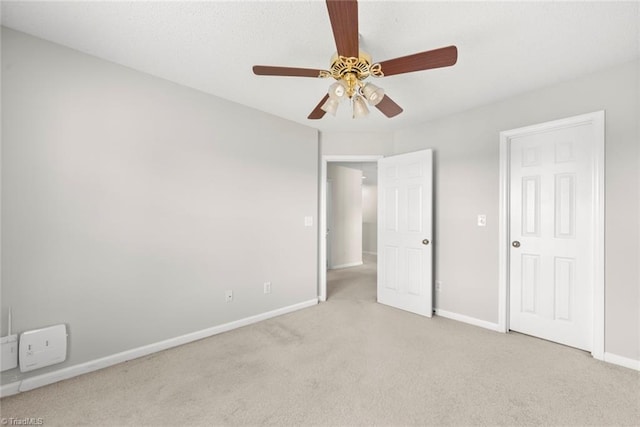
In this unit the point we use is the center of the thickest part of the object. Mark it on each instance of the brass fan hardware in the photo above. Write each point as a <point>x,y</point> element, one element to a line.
<point>361,67</point>
<point>350,67</point>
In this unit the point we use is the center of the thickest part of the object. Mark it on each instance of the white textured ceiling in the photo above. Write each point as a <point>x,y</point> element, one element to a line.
<point>504,48</point>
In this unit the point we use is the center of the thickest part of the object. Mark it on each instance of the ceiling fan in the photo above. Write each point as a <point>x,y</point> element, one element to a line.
<point>350,67</point>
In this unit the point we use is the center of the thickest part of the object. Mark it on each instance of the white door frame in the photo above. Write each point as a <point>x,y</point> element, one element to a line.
<point>322,226</point>
<point>597,120</point>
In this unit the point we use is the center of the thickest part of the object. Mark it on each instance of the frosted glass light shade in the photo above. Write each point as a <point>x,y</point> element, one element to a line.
<point>359,107</point>
<point>330,106</point>
<point>337,90</point>
<point>373,93</point>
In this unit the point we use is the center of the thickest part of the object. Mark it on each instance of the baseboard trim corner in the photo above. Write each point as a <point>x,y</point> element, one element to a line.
<point>104,362</point>
<point>467,319</point>
<point>622,361</point>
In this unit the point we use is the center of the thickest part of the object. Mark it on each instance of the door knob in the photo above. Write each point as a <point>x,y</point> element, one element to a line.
<point>425,242</point>
<point>515,244</point>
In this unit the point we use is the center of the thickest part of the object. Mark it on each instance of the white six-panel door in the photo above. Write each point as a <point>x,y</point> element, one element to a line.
<point>405,232</point>
<point>551,234</point>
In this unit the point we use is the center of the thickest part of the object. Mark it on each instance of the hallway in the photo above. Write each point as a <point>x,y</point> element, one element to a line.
<point>354,283</point>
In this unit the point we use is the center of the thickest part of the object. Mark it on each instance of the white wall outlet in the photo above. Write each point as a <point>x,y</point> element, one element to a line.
<point>482,220</point>
<point>308,221</point>
<point>42,347</point>
<point>9,356</point>
<point>267,287</point>
<point>228,296</point>
<point>438,285</point>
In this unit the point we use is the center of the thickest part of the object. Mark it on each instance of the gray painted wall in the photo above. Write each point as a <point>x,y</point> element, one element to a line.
<point>346,212</point>
<point>352,143</point>
<point>370,219</point>
<point>466,149</point>
<point>130,204</point>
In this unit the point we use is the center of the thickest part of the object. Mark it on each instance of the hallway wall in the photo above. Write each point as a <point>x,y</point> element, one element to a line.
<point>346,211</point>
<point>370,219</point>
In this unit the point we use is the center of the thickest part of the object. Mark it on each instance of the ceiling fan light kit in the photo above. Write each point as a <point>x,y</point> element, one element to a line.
<point>330,106</point>
<point>337,90</point>
<point>350,66</point>
<point>349,85</point>
<point>360,109</point>
<point>372,93</point>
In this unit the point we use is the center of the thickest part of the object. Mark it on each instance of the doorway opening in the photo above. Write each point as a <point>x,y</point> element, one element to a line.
<point>348,219</point>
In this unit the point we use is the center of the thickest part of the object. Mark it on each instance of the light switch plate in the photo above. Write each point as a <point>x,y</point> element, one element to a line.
<point>42,347</point>
<point>308,221</point>
<point>9,356</point>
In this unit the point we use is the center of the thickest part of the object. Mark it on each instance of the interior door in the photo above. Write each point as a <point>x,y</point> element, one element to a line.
<point>551,254</point>
<point>405,232</point>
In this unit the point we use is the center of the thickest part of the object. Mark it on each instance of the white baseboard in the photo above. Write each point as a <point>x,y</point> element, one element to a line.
<point>622,361</point>
<point>94,365</point>
<point>370,253</point>
<point>351,264</point>
<point>470,320</point>
<point>10,389</point>
<point>608,357</point>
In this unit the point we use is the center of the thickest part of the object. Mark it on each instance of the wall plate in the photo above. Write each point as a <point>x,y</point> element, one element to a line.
<point>9,355</point>
<point>42,347</point>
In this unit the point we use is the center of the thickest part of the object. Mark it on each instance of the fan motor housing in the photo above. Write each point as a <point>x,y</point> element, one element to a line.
<point>361,67</point>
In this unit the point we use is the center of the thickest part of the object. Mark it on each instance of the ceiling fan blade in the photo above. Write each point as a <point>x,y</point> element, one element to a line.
<point>266,70</point>
<point>343,15</point>
<point>388,107</point>
<point>317,112</point>
<point>443,57</point>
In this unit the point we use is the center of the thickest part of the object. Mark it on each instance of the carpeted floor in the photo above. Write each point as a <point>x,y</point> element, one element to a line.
<point>349,361</point>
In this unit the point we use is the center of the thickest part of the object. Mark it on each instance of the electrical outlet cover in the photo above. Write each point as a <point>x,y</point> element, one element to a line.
<point>42,347</point>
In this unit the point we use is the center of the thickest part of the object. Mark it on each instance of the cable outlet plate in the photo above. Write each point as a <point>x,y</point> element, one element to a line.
<point>228,296</point>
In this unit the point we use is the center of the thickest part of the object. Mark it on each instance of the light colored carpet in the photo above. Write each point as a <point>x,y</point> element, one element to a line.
<point>349,361</point>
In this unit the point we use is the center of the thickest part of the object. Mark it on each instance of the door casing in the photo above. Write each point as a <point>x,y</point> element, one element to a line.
<point>596,119</point>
